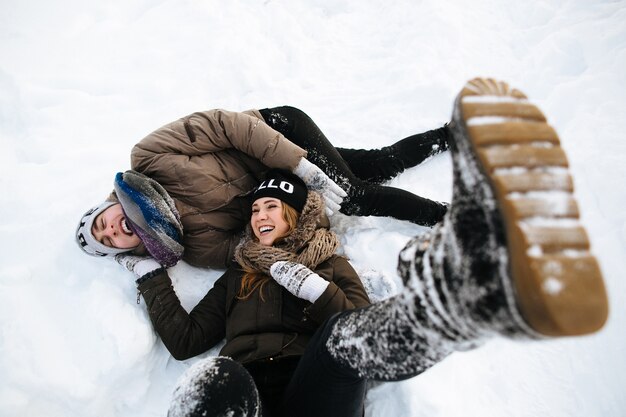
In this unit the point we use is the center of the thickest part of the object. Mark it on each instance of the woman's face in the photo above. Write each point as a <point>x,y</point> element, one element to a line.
<point>110,229</point>
<point>267,220</point>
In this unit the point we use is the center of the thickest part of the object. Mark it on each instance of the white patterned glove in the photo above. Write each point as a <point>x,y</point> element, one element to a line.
<point>299,280</point>
<point>138,265</point>
<point>317,180</point>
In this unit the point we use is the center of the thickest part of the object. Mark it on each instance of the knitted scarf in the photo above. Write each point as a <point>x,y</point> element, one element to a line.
<point>307,244</point>
<point>151,214</point>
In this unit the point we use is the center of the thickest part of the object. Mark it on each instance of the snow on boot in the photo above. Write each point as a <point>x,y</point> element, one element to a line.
<point>216,386</point>
<point>509,258</point>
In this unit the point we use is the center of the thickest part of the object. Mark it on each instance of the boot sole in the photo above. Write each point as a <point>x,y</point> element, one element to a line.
<point>558,284</point>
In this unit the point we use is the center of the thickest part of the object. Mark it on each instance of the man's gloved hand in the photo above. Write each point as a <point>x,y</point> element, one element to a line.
<point>138,265</point>
<point>317,180</point>
<point>299,280</point>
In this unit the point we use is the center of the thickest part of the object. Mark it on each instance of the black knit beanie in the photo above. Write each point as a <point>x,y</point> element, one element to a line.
<point>285,186</point>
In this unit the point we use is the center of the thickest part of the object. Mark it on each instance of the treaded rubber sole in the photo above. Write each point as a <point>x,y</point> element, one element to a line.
<point>558,283</point>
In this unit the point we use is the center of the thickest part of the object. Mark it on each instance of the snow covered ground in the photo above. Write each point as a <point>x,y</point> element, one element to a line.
<point>81,82</point>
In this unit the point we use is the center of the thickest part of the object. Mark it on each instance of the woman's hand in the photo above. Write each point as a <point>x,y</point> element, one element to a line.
<point>299,280</point>
<point>138,265</point>
<point>317,180</point>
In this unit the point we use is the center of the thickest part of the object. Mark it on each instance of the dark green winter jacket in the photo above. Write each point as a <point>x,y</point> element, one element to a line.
<point>254,329</point>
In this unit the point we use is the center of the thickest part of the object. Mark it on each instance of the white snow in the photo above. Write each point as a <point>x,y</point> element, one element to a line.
<point>552,286</point>
<point>489,120</point>
<point>81,82</point>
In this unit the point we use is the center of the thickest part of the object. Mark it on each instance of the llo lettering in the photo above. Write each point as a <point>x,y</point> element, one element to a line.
<point>284,185</point>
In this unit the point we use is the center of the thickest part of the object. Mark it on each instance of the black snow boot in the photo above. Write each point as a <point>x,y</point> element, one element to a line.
<point>380,165</point>
<point>216,386</point>
<point>510,257</point>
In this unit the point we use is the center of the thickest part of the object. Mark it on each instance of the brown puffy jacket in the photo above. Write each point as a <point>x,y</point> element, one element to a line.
<point>208,162</point>
<point>282,325</point>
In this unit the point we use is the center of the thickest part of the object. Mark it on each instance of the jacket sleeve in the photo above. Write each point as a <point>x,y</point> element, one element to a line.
<point>345,292</point>
<point>211,249</point>
<point>212,131</point>
<point>185,334</point>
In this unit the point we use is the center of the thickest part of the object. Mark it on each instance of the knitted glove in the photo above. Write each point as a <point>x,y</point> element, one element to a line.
<point>138,265</point>
<point>316,180</point>
<point>299,280</point>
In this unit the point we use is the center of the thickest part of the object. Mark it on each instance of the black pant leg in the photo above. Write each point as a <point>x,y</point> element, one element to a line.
<point>364,198</point>
<point>378,200</point>
<point>300,129</point>
<point>319,387</point>
<point>271,378</point>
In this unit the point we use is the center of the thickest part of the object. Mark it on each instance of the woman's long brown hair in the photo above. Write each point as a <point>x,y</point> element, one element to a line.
<point>253,280</point>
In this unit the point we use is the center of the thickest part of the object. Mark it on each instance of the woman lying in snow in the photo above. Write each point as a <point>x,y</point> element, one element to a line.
<point>197,173</point>
<point>508,259</point>
<point>267,323</point>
